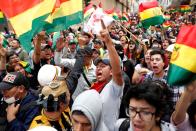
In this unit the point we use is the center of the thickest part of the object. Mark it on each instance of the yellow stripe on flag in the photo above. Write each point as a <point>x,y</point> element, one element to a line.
<point>89,12</point>
<point>1,14</point>
<point>149,13</point>
<point>66,8</point>
<point>22,23</point>
<point>185,57</point>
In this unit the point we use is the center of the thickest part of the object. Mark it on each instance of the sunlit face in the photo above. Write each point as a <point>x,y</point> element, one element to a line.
<point>14,59</point>
<point>95,55</point>
<point>14,44</point>
<point>165,44</point>
<point>87,39</point>
<point>147,56</point>
<point>72,47</point>
<point>132,46</point>
<point>47,54</point>
<point>123,40</point>
<point>142,115</point>
<point>20,69</point>
<point>97,46</point>
<point>81,123</point>
<point>157,63</point>
<point>103,72</point>
<point>121,33</point>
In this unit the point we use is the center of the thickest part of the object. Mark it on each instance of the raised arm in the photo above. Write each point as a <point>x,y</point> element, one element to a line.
<point>37,51</point>
<point>182,105</point>
<point>114,58</point>
<point>3,53</point>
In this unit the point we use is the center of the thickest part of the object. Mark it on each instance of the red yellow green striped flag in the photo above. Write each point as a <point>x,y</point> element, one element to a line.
<point>88,11</point>
<point>182,67</point>
<point>167,24</point>
<point>27,17</point>
<point>66,14</point>
<point>112,13</point>
<point>185,8</point>
<point>1,17</point>
<point>125,17</point>
<point>115,16</point>
<point>150,14</point>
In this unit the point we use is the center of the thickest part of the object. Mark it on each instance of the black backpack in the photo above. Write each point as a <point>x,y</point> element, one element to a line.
<point>125,125</point>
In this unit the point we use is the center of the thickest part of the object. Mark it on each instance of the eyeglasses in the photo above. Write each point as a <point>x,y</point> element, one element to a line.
<point>144,115</point>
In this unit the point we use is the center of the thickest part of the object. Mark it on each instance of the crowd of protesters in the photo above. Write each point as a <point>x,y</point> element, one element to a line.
<point>82,82</point>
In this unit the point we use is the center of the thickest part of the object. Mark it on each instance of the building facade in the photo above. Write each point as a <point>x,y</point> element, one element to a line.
<point>119,5</point>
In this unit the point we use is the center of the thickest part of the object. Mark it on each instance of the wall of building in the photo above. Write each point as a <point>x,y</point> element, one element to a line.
<point>122,5</point>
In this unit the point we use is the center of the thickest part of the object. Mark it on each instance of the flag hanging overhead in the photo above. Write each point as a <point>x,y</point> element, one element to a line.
<point>88,11</point>
<point>150,14</point>
<point>27,17</point>
<point>68,13</point>
<point>185,8</point>
<point>182,67</point>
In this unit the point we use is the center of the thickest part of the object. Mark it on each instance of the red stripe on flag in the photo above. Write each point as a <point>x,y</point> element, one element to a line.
<point>62,1</point>
<point>109,11</point>
<point>12,8</point>
<point>146,5</point>
<point>187,36</point>
<point>88,7</point>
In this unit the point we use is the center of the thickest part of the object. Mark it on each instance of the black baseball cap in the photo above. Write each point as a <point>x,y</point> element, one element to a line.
<point>13,79</point>
<point>45,46</point>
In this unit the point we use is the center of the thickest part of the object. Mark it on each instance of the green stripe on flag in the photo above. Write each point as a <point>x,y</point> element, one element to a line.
<point>178,75</point>
<point>64,22</point>
<point>2,20</point>
<point>157,20</point>
<point>37,26</point>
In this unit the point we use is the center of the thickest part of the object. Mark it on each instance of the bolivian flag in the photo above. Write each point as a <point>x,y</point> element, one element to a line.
<point>150,14</point>
<point>185,8</point>
<point>125,17</point>
<point>115,16</point>
<point>167,24</point>
<point>88,11</point>
<point>27,17</point>
<point>68,13</point>
<point>1,17</point>
<point>182,67</point>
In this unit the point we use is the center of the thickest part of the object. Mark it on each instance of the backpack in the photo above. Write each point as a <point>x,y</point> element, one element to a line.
<point>125,125</point>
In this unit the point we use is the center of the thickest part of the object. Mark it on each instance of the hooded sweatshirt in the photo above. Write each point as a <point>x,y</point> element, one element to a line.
<point>89,102</point>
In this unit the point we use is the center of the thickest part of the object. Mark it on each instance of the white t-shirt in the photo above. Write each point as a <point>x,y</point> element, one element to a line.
<point>111,97</point>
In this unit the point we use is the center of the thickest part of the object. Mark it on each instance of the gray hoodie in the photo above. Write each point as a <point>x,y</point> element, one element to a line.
<point>90,103</point>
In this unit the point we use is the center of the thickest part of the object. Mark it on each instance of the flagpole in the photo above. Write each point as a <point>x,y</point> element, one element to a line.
<point>129,32</point>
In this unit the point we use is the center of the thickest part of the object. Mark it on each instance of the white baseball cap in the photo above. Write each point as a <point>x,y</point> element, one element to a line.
<point>47,74</point>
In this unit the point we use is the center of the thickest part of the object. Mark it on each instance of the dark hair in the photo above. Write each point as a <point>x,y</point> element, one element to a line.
<point>129,68</point>
<point>78,112</point>
<point>192,112</point>
<point>10,54</point>
<point>122,31</point>
<point>151,93</point>
<point>17,40</point>
<point>87,34</point>
<point>156,51</point>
